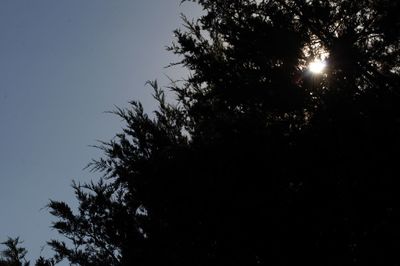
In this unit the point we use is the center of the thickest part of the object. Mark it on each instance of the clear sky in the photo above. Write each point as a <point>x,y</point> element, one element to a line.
<point>62,64</point>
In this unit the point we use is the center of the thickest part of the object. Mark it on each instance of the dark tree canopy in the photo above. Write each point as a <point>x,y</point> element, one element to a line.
<point>259,162</point>
<point>13,254</point>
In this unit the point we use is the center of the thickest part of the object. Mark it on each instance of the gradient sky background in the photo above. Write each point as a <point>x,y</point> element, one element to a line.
<point>62,64</point>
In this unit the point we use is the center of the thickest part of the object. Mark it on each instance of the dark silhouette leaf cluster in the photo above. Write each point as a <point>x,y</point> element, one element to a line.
<point>258,162</point>
<point>13,254</point>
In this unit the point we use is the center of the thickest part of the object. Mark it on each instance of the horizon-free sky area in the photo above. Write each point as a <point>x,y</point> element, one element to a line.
<point>62,64</point>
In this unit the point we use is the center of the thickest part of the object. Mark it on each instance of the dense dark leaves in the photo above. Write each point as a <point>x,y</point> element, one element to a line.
<point>259,162</point>
<point>44,262</point>
<point>13,254</point>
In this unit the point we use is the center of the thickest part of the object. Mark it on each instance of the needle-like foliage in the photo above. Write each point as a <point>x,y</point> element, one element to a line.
<point>258,162</point>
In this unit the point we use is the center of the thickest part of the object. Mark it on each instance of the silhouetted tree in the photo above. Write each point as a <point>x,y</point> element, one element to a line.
<point>259,162</point>
<point>13,254</point>
<point>44,262</point>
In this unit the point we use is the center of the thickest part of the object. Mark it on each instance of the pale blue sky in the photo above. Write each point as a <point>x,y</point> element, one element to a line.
<point>62,64</point>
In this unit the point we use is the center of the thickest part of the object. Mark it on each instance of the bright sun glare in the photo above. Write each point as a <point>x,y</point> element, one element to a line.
<point>317,66</point>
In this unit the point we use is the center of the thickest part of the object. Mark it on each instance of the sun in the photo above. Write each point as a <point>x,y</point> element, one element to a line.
<point>317,66</point>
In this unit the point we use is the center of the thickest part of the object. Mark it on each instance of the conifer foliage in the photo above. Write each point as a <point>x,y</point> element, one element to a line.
<point>259,161</point>
<point>13,254</point>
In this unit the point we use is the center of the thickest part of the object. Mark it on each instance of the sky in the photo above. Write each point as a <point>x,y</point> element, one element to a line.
<point>62,65</point>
